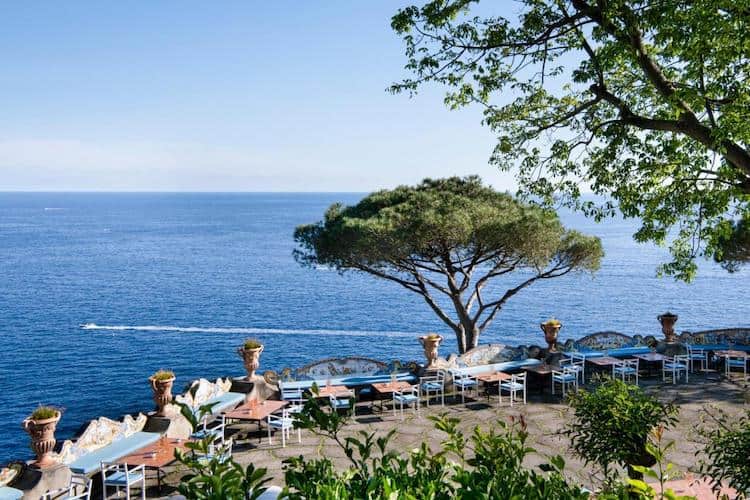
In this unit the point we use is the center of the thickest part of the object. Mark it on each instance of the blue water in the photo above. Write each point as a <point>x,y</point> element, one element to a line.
<point>191,275</point>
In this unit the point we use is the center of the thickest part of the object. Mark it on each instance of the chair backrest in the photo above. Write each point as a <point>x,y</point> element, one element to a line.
<point>572,363</point>
<point>440,376</point>
<point>118,467</point>
<point>413,390</point>
<point>565,370</point>
<point>519,378</point>
<point>80,485</point>
<point>573,358</point>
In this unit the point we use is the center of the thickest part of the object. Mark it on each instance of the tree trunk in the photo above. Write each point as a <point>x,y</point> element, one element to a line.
<point>467,331</point>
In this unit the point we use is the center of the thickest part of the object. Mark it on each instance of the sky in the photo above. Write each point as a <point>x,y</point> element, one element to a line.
<point>221,96</point>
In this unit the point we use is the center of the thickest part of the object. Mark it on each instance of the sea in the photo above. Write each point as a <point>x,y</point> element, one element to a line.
<point>99,290</point>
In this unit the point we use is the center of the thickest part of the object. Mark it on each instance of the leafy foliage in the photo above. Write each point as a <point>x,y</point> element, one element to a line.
<point>44,412</point>
<point>612,425</point>
<point>656,448</point>
<point>447,240</point>
<point>193,418</point>
<point>728,452</point>
<point>163,375</point>
<point>217,478</point>
<point>252,344</point>
<point>643,101</point>
<point>493,469</point>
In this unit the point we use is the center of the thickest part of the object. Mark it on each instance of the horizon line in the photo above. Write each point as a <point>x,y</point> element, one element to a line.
<point>104,191</point>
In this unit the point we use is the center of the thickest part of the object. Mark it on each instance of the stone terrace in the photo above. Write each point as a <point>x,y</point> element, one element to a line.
<point>545,415</point>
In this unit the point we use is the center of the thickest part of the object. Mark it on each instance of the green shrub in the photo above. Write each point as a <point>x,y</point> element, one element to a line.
<point>488,465</point>
<point>44,412</point>
<point>252,344</point>
<point>728,451</point>
<point>163,375</point>
<point>612,425</point>
<point>217,478</point>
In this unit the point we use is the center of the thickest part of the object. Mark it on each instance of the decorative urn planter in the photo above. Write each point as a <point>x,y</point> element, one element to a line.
<point>551,329</point>
<point>250,354</point>
<point>41,427</point>
<point>668,321</point>
<point>161,385</point>
<point>430,344</point>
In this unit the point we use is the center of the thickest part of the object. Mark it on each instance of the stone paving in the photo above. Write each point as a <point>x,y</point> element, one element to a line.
<point>545,415</point>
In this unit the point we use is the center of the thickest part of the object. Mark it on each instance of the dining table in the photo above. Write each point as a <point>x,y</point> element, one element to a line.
<point>255,411</point>
<point>492,378</point>
<point>650,359</point>
<point>156,455</point>
<point>384,389</point>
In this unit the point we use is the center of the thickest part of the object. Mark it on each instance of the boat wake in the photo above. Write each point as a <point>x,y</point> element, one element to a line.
<point>244,330</point>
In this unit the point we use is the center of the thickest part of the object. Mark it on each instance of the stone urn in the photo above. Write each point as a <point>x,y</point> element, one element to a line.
<point>430,345</point>
<point>162,392</point>
<point>42,434</point>
<point>250,354</point>
<point>551,329</point>
<point>668,321</point>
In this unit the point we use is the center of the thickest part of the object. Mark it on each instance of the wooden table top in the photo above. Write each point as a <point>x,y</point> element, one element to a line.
<point>156,455</point>
<point>494,377</point>
<point>386,387</point>
<point>650,356</point>
<point>337,390</point>
<point>255,411</point>
<point>603,361</point>
<point>731,352</point>
<point>540,369</point>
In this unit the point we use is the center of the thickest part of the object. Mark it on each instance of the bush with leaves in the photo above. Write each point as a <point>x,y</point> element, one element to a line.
<point>487,465</point>
<point>612,425</point>
<point>728,451</point>
<point>213,477</point>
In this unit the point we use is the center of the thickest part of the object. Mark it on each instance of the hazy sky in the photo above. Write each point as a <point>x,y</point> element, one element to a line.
<point>214,96</point>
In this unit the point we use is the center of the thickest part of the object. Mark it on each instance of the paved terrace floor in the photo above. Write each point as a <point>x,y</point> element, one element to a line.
<point>546,416</point>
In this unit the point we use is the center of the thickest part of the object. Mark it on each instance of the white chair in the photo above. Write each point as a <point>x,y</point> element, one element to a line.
<point>78,489</point>
<point>577,362</point>
<point>406,397</point>
<point>340,401</point>
<point>122,476</point>
<point>465,382</point>
<point>283,423</point>
<point>674,366</point>
<point>517,383</point>
<point>290,393</point>
<point>565,377</point>
<point>217,432</point>
<point>433,385</point>
<point>221,453</point>
<point>626,369</point>
<point>698,355</point>
<point>739,362</point>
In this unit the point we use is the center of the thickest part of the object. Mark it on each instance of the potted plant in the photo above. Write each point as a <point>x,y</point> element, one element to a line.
<point>161,385</point>
<point>430,343</point>
<point>667,321</point>
<point>41,425</point>
<point>551,328</point>
<point>250,354</point>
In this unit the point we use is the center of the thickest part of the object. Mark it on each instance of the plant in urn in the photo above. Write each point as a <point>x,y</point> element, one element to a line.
<point>667,321</point>
<point>430,344</point>
<point>41,425</point>
<point>250,353</point>
<point>161,385</point>
<point>551,328</point>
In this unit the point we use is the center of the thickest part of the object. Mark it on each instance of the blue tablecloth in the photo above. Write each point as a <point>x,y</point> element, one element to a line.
<point>8,493</point>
